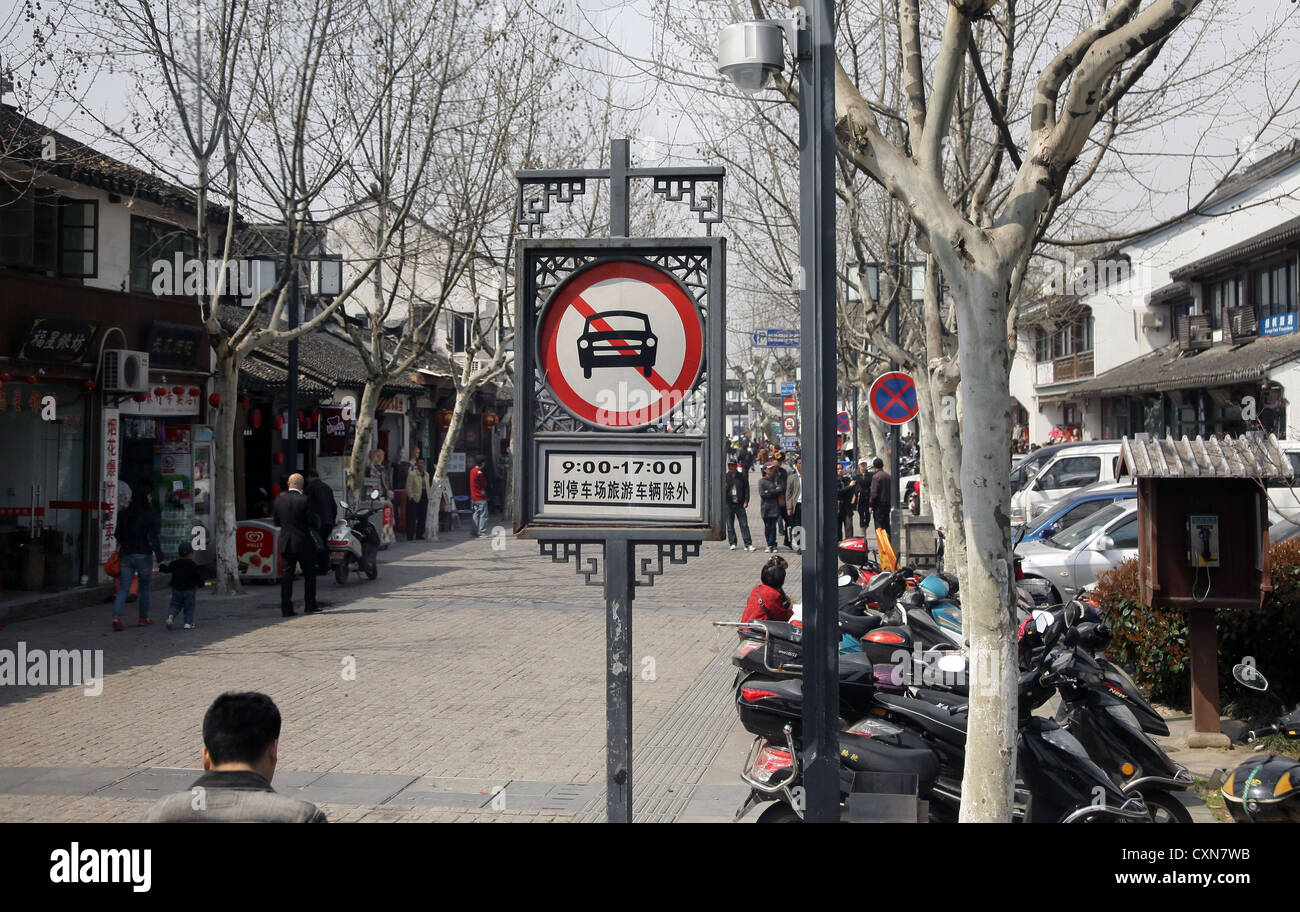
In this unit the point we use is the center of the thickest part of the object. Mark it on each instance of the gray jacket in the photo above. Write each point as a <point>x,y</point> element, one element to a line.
<point>235,796</point>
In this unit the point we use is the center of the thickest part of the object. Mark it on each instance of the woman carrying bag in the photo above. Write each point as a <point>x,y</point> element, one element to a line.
<point>138,545</point>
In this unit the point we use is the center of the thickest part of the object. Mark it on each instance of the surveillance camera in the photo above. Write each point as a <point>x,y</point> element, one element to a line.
<point>750,53</point>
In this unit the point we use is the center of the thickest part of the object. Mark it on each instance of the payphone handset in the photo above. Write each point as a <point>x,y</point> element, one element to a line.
<point>1203,540</point>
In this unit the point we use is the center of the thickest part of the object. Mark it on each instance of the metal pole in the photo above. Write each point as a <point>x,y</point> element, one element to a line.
<point>291,420</point>
<point>618,679</point>
<point>619,215</point>
<point>818,353</point>
<point>895,514</point>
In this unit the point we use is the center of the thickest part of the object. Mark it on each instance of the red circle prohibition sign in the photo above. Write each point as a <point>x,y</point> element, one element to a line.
<point>621,344</point>
<point>893,398</point>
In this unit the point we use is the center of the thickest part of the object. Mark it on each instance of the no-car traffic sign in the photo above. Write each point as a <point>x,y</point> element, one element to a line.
<point>621,344</point>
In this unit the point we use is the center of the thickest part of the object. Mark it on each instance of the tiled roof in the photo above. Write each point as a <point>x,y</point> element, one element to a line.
<point>1261,243</point>
<point>1248,456</point>
<point>1171,368</point>
<point>24,141</point>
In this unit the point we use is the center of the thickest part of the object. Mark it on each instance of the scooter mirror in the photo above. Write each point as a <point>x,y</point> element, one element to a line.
<point>1247,675</point>
<point>1043,621</point>
<point>343,504</point>
<point>374,495</point>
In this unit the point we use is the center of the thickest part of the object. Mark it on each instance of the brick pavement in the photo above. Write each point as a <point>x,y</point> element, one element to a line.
<point>471,663</point>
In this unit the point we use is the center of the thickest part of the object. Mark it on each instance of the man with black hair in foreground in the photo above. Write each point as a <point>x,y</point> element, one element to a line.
<point>241,743</point>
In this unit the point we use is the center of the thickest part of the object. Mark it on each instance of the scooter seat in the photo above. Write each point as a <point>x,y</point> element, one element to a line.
<point>858,627</point>
<point>870,756</point>
<point>944,724</point>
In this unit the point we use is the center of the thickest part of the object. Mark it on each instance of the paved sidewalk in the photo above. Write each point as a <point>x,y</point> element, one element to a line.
<point>465,683</point>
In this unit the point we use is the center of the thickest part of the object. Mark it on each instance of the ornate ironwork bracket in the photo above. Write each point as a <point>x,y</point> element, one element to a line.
<point>573,549</point>
<point>532,208</point>
<point>674,552</point>
<point>708,206</point>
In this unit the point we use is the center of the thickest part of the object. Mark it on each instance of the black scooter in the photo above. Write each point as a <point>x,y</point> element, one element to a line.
<point>1263,789</point>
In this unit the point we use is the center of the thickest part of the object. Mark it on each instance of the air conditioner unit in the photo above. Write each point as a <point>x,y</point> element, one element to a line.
<point>126,371</point>
<point>1153,321</point>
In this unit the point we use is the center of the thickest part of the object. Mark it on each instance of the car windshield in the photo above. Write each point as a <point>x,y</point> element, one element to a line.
<point>1085,528</point>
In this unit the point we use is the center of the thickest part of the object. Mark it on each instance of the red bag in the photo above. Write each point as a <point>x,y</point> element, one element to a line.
<point>113,566</point>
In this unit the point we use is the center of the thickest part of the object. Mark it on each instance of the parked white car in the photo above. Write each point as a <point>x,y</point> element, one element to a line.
<point>1073,467</point>
<point>1076,556</point>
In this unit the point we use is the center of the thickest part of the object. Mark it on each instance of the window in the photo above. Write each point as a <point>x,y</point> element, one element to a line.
<point>1274,289</point>
<point>78,220</point>
<point>1083,335</point>
<point>1223,294</point>
<point>152,241</point>
<point>1082,511</point>
<point>459,334</point>
<point>1042,346</point>
<point>1070,472</point>
<point>28,221</point>
<point>1126,536</point>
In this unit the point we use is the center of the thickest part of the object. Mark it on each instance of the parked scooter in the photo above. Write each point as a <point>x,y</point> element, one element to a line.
<point>354,541</point>
<point>924,735</point>
<point>1264,789</point>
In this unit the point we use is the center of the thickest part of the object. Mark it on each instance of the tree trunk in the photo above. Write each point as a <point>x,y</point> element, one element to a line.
<point>947,438</point>
<point>361,440</point>
<point>223,459</point>
<point>990,773</point>
<point>932,490</point>
<point>448,447</point>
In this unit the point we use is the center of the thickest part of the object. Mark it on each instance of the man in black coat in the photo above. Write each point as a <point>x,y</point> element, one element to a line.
<point>296,518</point>
<point>880,496</point>
<point>737,503</point>
<point>320,497</point>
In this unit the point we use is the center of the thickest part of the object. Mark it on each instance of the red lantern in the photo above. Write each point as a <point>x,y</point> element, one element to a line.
<point>178,391</point>
<point>31,380</point>
<point>195,391</point>
<point>255,419</point>
<point>89,384</point>
<point>306,422</point>
<point>275,490</point>
<point>141,397</point>
<point>315,415</point>
<point>214,400</point>
<point>160,391</point>
<point>279,457</point>
<point>277,423</point>
<point>444,418</point>
<point>490,419</point>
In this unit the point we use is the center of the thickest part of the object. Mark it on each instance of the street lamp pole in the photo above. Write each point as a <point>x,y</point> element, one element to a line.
<point>817,359</point>
<point>291,420</point>
<point>897,289</point>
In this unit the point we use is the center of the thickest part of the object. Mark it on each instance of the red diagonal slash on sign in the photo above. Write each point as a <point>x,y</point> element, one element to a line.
<point>893,397</point>
<point>601,324</point>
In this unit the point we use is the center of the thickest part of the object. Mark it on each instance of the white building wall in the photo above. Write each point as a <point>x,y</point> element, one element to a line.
<point>1288,375</point>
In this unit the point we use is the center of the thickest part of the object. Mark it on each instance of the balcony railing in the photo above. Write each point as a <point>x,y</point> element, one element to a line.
<point>1240,323</point>
<point>1059,370</point>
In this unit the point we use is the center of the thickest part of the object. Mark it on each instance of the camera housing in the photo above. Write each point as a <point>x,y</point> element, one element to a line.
<point>750,54</point>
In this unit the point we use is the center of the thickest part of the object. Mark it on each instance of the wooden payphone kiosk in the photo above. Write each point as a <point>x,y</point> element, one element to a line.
<point>1203,541</point>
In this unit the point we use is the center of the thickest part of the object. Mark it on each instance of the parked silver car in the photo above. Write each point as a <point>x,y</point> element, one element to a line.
<point>1076,556</point>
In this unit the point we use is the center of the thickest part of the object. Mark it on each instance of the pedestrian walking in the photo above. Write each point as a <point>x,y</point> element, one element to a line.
<point>770,494</point>
<point>417,500</point>
<point>294,516</point>
<point>321,498</point>
<point>862,493</point>
<point>782,476</point>
<point>794,506</point>
<point>845,491</point>
<point>138,546</point>
<point>880,494</point>
<point>737,504</point>
<point>184,585</point>
<point>478,498</point>
<point>241,748</point>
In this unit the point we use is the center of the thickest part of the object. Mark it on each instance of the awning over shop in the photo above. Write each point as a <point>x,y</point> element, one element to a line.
<point>1172,368</point>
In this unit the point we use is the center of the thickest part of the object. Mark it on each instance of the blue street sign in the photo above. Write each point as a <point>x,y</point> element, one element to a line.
<point>776,338</point>
<point>842,424</point>
<point>789,443</point>
<point>787,388</point>
<point>1279,325</point>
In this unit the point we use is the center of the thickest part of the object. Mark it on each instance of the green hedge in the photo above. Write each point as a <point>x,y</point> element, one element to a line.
<point>1152,645</point>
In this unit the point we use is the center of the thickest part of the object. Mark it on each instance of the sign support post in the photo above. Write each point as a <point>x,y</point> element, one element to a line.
<point>588,475</point>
